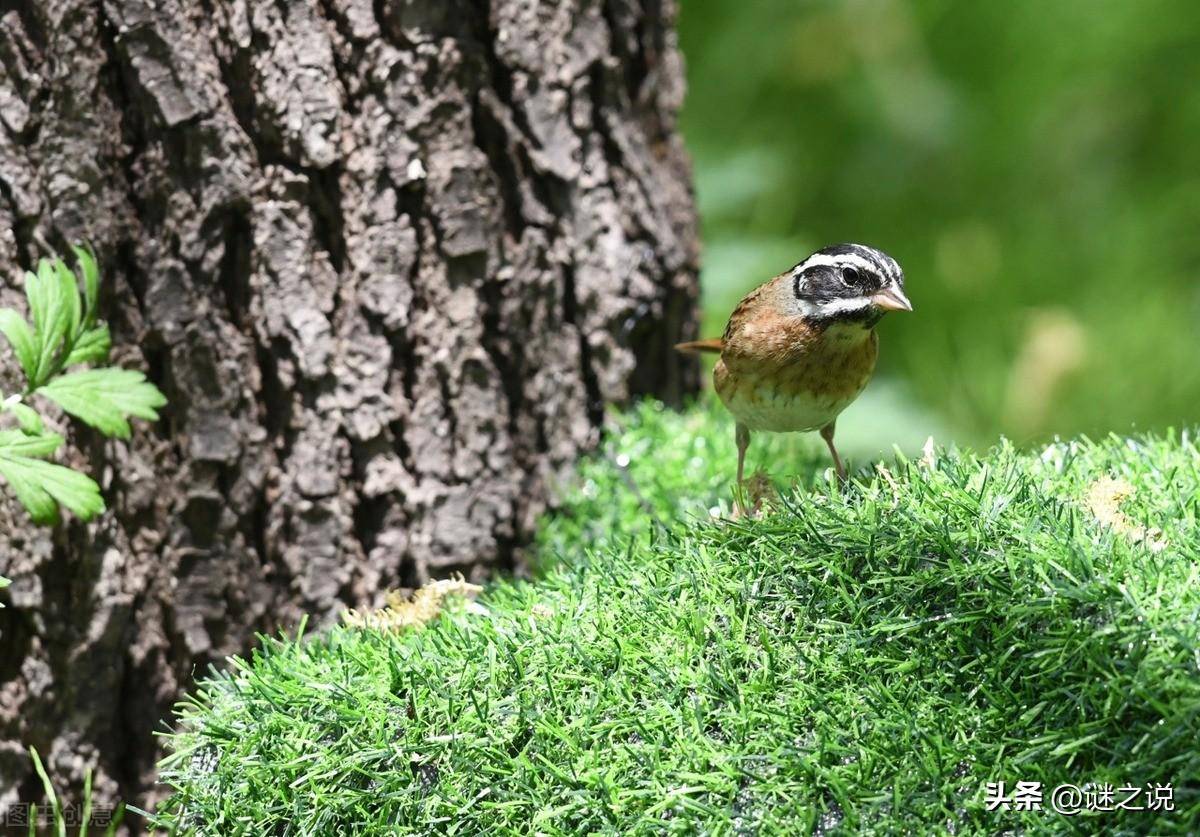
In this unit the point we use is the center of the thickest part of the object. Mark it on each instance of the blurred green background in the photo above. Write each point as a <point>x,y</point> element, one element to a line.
<point>1034,166</point>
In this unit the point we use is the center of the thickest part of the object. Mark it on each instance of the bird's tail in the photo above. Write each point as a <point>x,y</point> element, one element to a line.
<point>697,346</point>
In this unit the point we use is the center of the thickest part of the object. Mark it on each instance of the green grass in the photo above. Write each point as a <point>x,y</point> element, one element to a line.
<point>858,660</point>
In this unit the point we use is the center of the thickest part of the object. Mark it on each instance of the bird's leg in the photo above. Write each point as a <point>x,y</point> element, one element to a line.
<point>827,435</point>
<point>742,434</point>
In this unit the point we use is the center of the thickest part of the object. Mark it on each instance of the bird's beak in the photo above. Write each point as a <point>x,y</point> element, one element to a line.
<point>891,299</point>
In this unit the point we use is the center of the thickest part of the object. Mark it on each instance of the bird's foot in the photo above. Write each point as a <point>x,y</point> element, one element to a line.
<point>752,494</point>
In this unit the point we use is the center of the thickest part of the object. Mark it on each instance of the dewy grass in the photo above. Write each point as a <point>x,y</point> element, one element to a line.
<point>863,659</point>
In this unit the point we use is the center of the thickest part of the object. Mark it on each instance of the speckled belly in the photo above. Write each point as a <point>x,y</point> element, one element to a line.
<point>804,393</point>
<point>761,406</point>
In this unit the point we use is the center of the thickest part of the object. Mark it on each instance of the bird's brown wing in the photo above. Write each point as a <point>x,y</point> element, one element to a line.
<point>744,309</point>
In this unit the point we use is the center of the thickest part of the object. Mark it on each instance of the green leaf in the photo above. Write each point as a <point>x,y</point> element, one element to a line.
<point>105,398</point>
<point>64,333</point>
<point>51,314</point>
<point>35,292</point>
<point>20,336</point>
<point>56,811</point>
<point>43,486</point>
<point>27,417</point>
<point>91,282</point>
<point>91,347</point>
<point>69,292</point>
<point>16,443</point>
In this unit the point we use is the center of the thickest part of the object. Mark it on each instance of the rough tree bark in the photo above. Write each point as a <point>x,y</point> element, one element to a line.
<point>387,258</point>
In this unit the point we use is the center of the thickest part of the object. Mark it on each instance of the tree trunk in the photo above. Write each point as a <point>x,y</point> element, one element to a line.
<point>386,258</point>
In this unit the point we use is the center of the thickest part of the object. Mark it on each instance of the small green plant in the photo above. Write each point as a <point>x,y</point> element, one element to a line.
<point>64,333</point>
<point>59,817</point>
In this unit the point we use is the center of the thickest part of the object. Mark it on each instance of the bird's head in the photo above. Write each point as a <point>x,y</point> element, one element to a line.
<point>847,283</point>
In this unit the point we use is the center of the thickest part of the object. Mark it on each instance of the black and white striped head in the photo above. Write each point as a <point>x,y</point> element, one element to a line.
<point>849,283</point>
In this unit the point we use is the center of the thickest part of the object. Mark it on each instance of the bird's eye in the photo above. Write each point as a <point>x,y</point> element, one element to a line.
<point>851,278</point>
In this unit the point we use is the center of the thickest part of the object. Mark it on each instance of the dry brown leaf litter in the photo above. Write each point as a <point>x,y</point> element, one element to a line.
<point>402,612</point>
<point>1104,500</point>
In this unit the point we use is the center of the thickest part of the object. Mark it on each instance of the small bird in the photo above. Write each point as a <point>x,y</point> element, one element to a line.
<point>801,347</point>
